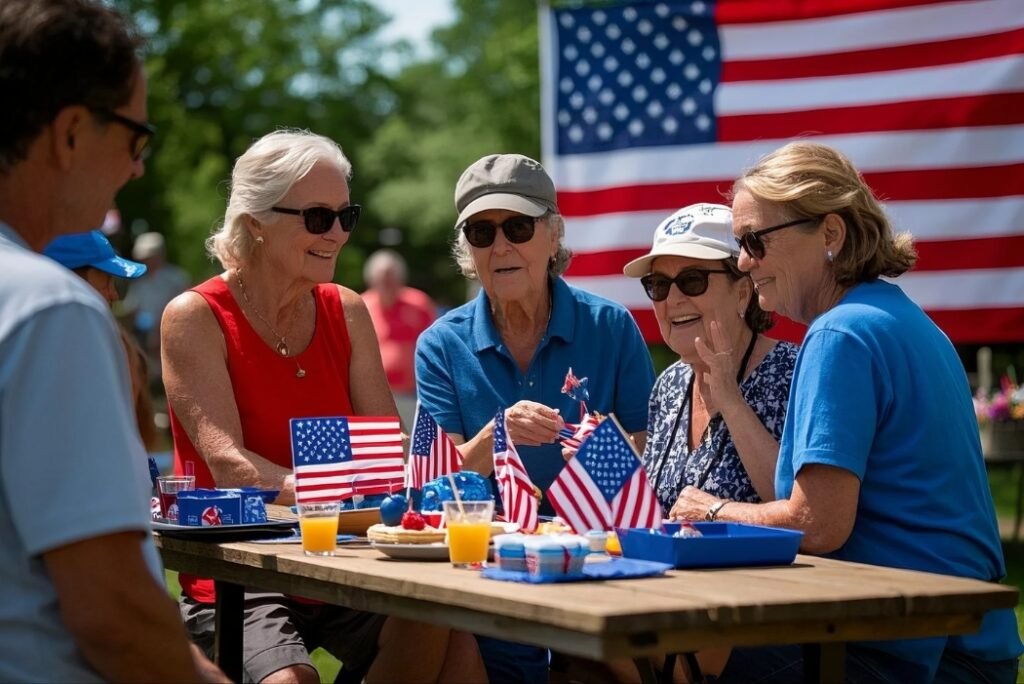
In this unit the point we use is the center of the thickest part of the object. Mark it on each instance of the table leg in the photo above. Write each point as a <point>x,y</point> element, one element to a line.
<point>646,669</point>
<point>824,663</point>
<point>227,639</point>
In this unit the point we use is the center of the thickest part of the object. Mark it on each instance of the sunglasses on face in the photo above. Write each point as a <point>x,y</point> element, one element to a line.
<point>753,243</point>
<point>692,282</point>
<point>319,220</point>
<point>517,230</point>
<point>142,132</point>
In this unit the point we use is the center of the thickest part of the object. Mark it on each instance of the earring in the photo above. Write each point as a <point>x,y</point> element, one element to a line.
<point>828,256</point>
<point>259,241</point>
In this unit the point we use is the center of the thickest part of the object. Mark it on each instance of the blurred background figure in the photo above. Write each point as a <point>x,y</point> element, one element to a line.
<point>147,297</point>
<point>92,257</point>
<point>400,313</point>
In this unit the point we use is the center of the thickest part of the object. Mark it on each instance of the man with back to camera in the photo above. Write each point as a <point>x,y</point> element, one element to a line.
<point>81,591</point>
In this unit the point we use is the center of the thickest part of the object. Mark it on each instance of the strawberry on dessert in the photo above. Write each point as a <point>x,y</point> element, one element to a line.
<point>412,520</point>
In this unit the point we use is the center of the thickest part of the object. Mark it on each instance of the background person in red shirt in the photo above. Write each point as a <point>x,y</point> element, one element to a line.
<point>400,313</point>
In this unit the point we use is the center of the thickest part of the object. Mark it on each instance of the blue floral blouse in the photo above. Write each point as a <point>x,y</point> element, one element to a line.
<point>714,465</point>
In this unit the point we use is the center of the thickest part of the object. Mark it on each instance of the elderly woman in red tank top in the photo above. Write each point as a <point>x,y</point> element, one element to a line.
<point>269,339</point>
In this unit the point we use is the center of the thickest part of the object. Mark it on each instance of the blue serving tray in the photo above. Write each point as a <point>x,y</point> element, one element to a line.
<point>723,545</point>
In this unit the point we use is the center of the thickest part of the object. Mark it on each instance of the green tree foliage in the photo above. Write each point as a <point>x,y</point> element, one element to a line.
<point>221,74</point>
<point>477,94</point>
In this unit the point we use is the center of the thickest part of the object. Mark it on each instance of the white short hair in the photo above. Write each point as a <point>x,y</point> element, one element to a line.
<point>262,176</point>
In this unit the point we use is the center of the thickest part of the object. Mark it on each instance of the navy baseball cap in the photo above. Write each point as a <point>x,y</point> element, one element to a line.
<point>92,249</point>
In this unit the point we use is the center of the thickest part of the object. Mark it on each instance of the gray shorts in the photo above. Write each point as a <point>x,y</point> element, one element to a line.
<point>279,632</point>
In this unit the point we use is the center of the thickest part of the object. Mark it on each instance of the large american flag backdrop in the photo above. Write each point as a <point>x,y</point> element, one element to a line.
<point>650,106</point>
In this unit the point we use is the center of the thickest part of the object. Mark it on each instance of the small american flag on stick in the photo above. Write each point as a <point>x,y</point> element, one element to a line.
<point>604,485</point>
<point>518,496</point>
<point>330,455</point>
<point>432,453</point>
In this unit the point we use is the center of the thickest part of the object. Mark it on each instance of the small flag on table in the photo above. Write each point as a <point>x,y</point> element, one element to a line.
<point>330,454</point>
<point>604,486</point>
<point>432,453</point>
<point>518,496</point>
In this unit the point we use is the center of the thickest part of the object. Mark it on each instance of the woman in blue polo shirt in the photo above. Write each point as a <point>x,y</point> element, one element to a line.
<point>880,460</point>
<point>513,344</point>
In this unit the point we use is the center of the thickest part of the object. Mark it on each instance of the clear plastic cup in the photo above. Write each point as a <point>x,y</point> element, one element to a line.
<point>469,532</point>
<point>318,523</point>
<point>168,487</point>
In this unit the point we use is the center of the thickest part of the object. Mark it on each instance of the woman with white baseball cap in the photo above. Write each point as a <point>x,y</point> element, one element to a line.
<point>716,415</point>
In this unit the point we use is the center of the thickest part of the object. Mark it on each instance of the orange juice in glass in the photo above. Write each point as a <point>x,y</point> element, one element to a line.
<point>469,532</point>
<point>318,523</point>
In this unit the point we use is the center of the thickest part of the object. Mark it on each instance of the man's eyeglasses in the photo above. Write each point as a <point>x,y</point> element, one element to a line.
<point>319,220</point>
<point>692,282</point>
<point>753,243</point>
<point>143,132</point>
<point>517,230</point>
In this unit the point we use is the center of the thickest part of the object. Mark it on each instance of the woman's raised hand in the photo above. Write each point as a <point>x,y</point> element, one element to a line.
<point>533,424</point>
<point>720,359</point>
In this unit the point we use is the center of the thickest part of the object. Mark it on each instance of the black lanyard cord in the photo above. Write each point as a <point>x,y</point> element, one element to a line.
<point>688,404</point>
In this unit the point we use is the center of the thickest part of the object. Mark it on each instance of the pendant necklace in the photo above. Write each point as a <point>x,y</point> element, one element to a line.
<point>282,346</point>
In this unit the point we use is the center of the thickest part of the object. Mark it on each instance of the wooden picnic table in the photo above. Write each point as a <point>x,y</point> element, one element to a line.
<point>817,602</point>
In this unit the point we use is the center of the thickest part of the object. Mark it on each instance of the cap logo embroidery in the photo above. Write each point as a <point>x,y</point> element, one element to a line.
<point>679,225</point>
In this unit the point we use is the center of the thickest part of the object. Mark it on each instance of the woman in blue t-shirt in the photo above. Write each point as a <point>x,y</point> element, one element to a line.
<point>880,460</point>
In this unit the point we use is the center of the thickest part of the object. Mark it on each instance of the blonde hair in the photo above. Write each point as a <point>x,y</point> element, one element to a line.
<point>556,266</point>
<point>262,176</point>
<point>812,180</point>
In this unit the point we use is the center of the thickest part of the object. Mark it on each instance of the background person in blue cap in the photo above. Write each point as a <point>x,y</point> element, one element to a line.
<point>91,256</point>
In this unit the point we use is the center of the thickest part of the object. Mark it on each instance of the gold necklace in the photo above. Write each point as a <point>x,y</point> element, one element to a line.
<point>282,345</point>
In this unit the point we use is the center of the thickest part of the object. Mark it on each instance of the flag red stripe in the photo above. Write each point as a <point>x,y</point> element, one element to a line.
<point>996,109</point>
<point>915,184</point>
<point>747,12</point>
<point>916,56</point>
<point>950,255</point>
<point>303,473</point>
<point>981,326</point>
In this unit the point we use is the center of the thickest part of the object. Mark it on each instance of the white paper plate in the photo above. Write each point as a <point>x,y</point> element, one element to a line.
<point>435,551</point>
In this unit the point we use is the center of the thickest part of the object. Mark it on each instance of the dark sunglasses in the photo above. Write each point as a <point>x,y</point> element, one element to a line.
<point>753,243</point>
<point>517,230</point>
<point>319,220</point>
<point>692,282</point>
<point>143,132</point>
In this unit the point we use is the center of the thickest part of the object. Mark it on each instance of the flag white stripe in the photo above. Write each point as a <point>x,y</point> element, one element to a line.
<point>870,152</point>
<point>927,220</point>
<point>394,450</point>
<point>998,74</point>
<point>374,426</point>
<point>968,289</point>
<point>866,30</point>
<point>392,437</point>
